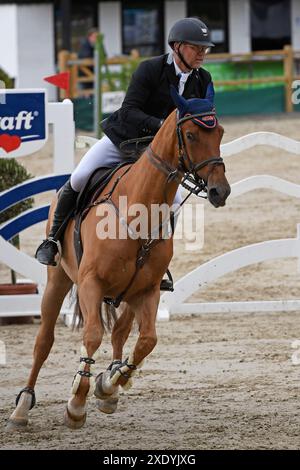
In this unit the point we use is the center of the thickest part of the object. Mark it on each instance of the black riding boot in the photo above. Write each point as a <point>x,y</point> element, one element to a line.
<point>47,251</point>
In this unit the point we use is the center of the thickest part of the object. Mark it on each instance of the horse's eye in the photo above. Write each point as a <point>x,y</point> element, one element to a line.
<point>190,136</point>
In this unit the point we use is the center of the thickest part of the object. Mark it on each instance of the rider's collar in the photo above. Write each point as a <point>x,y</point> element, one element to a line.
<point>178,70</point>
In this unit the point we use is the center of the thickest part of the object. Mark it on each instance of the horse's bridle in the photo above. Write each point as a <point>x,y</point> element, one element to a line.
<point>186,172</point>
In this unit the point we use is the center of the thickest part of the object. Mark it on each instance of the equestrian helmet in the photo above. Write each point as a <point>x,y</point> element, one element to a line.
<point>190,30</point>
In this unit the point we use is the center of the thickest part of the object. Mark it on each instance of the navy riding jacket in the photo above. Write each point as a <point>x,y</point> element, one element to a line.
<point>148,99</point>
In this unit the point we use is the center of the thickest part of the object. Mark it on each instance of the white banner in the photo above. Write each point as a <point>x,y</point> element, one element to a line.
<point>112,101</point>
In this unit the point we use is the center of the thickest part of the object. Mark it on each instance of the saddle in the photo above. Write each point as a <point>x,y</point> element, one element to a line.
<point>90,193</point>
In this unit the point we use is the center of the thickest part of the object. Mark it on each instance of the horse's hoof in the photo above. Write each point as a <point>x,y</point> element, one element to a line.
<point>103,379</point>
<point>107,402</point>
<point>108,406</point>
<point>99,392</point>
<point>19,424</point>
<point>73,422</point>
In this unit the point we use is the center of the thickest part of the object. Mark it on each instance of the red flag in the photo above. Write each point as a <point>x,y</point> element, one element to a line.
<point>61,80</point>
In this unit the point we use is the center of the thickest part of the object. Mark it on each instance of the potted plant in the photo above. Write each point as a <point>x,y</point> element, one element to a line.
<point>11,174</point>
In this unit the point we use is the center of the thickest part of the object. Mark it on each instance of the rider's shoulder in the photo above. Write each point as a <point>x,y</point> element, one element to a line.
<point>150,69</point>
<point>153,62</point>
<point>204,74</point>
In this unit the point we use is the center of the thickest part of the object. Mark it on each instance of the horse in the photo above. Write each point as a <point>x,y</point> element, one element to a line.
<point>185,150</point>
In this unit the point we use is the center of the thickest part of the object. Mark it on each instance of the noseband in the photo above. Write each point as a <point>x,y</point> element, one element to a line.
<point>186,172</point>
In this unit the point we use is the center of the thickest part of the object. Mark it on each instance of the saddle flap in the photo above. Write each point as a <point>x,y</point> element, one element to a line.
<point>94,182</point>
<point>90,192</point>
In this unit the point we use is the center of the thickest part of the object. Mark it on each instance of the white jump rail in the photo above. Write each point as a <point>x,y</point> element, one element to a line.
<point>271,139</point>
<point>23,305</point>
<point>172,304</point>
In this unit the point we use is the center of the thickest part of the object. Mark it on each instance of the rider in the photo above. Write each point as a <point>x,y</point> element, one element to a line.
<point>146,105</point>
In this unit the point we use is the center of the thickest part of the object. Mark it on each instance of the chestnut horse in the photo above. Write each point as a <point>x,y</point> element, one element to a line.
<point>185,150</point>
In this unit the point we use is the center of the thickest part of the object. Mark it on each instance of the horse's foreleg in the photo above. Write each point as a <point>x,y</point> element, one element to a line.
<point>105,391</point>
<point>90,299</point>
<point>57,287</point>
<point>145,308</point>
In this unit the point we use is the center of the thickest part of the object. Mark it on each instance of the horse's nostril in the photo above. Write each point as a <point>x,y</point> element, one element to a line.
<point>213,192</point>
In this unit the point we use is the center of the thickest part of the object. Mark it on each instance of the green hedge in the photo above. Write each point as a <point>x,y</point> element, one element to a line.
<point>12,173</point>
<point>6,79</point>
<point>253,101</point>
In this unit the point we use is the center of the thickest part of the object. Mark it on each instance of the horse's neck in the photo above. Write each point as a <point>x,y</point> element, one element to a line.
<point>165,142</point>
<point>150,182</point>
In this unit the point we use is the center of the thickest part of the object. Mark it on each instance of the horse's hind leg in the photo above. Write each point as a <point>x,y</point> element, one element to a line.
<point>90,300</point>
<point>58,285</point>
<point>108,394</point>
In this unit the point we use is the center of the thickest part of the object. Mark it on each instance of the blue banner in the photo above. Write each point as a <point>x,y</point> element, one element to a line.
<point>23,115</point>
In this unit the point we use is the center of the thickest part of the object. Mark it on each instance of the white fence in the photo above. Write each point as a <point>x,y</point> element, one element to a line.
<point>175,303</point>
<point>171,303</point>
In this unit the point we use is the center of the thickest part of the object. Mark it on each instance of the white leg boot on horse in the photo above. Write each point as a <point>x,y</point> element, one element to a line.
<point>90,299</point>
<point>83,386</point>
<point>58,286</point>
<point>145,308</point>
<point>105,391</point>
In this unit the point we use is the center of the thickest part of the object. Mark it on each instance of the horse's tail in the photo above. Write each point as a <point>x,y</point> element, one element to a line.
<point>107,322</point>
<point>77,322</point>
<point>110,317</point>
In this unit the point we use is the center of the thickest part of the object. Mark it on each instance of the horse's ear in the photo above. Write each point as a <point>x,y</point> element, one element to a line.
<point>210,93</point>
<point>180,102</point>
